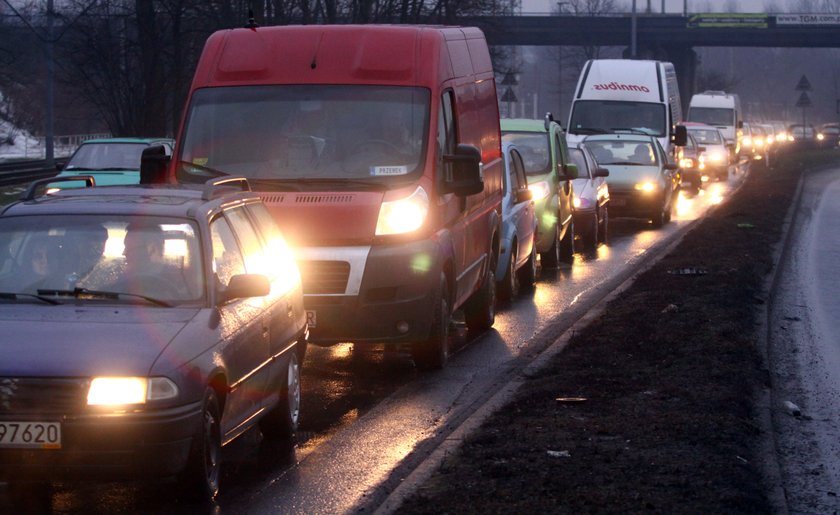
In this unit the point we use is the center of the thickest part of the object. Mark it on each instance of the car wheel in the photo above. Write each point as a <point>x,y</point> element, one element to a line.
<point>589,237</point>
<point>567,244</point>
<point>604,223</point>
<point>434,352</point>
<point>282,421</point>
<point>200,478</point>
<point>551,258</point>
<point>528,273</point>
<point>480,309</point>
<point>658,217</point>
<point>508,286</point>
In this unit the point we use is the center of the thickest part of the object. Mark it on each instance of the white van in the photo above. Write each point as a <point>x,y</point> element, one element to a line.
<point>623,94</point>
<point>722,110</point>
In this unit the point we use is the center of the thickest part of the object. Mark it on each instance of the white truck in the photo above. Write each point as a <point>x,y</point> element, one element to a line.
<point>722,110</point>
<point>614,95</point>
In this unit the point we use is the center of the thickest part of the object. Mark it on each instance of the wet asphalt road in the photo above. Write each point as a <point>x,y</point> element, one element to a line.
<point>369,417</point>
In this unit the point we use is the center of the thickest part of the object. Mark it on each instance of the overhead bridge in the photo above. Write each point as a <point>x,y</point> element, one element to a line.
<point>664,37</point>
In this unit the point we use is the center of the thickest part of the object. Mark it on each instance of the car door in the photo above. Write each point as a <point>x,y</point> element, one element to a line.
<point>242,326</point>
<point>524,219</point>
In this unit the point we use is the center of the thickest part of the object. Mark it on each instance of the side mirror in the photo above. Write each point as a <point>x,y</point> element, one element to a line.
<point>600,172</point>
<point>680,137</point>
<point>740,124</point>
<point>671,166</point>
<point>467,178</point>
<point>524,195</point>
<point>570,171</point>
<point>153,165</point>
<point>246,285</point>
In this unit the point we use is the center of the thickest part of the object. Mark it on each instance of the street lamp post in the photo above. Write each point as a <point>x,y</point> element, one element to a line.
<point>633,31</point>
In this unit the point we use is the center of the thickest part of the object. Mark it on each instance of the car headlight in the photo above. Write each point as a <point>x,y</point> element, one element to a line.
<point>539,190</point>
<point>120,391</point>
<point>820,136</point>
<point>404,215</point>
<point>647,186</point>
<point>716,157</point>
<point>582,203</point>
<point>747,141</point>
<point>686,162</point>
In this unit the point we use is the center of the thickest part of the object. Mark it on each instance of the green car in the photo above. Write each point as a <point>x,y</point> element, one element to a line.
<point>111,161</point>
<point>550,172</point>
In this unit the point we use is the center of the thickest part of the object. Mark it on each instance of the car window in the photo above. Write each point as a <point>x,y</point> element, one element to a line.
<point>518,171</point>
<point>227,258</point>
<point>250,243</point>
<point>706,136</point>
<point>107,156</point>
<point>578,159</point>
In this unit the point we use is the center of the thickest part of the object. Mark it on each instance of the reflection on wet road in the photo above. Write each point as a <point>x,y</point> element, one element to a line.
<point>368,416</point>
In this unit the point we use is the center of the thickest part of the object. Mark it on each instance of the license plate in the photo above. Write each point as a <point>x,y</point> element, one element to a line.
<point>618,201</point>
<point>311,318</point>
<point>31,435</point>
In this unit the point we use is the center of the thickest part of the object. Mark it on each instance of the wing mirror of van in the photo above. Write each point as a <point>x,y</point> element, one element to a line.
<point>153,164</point>
<point>680,136</point>
<point>242,286</point>
<point>466,171</point>
<point>570,171</point>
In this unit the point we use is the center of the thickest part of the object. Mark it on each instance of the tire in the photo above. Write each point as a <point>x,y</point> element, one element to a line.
<point>658,217</point>
<point>603,232</point>
<point>282,421</point>
<point>508,287</point>
<point>200,479</point>
<point>434,352</point>
<point>550,259</point>
<point>527,275</point>
<point>480,309</point>
<point>589,238</point>
<point>567,244</point>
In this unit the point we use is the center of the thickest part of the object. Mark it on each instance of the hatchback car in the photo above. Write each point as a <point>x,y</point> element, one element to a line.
<point>592,198</point>
<point>715,155</point>
<point>143,328</point>
<point>542,145</point>
<point>644,183</point>
<point>828,135</point>
<point>111,160</point>
<point>517,265</point>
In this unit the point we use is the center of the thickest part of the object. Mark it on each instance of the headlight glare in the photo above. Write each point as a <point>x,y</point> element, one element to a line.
<point>121,391</point>
<point>404,215</point>
<point>646,186</point>
<point>539,190</point>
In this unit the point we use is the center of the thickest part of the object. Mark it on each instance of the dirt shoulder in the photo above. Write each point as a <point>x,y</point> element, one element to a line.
<point>668,379</point>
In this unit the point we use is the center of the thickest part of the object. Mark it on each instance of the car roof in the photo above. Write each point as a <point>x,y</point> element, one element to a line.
<point>173,200</point>
<point>147,141</point>
<point>522,125</point>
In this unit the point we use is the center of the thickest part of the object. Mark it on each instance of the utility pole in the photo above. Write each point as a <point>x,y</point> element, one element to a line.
<point>633,31</point>
<point>50,126</point>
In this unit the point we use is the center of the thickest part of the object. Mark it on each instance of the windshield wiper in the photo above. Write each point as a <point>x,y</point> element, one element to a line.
<point>588,130</point>
<point>15,296</point>
<point>79,292</point>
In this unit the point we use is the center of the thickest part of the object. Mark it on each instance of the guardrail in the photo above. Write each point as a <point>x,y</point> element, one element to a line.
<point>22,172</point>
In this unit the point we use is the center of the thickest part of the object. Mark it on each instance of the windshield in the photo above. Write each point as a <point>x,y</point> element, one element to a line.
<point>712,115</point>
<point>155,257</point>
<point>706,136</point>
<point>610,115</point>
<point>633,153</point>
<point>534,148</point>
<point>292,132</point>
<point>107,156</point>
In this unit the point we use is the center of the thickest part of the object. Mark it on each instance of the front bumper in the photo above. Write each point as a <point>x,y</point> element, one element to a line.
<point>635,204</point>
<point>107,446</point>
<point>393,302</point>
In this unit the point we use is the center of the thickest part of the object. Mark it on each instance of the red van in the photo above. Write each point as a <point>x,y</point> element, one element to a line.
<point>378,150</point>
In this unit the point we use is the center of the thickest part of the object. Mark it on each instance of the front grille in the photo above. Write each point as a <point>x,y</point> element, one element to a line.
<point>324,277</point>
<point>22,395</point>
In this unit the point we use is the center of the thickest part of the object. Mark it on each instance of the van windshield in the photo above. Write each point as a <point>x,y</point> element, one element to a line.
<point>281,133</point>
<point>599,116</point>
<point>712,115</point>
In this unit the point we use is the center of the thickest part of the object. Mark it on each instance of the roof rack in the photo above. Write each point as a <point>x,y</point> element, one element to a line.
<point>36,185</point>
<point>212,185</point>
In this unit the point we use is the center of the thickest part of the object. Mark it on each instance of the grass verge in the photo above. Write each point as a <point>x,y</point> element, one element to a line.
<point>668,374</point>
